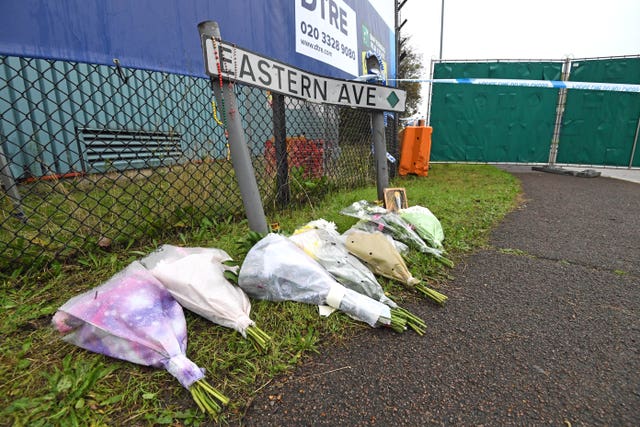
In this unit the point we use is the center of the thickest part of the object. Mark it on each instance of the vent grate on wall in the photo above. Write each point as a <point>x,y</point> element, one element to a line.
<point>125,149</point>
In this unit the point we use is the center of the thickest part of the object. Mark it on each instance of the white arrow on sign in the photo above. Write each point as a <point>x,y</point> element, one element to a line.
<point>246,67</point>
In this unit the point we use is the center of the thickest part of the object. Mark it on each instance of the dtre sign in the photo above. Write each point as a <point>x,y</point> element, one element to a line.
<point>330,10</point>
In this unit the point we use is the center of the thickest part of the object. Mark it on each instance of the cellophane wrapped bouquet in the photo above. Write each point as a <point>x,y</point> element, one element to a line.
<point>376,218</point>
<point>196,279</point>
<point>378,252</point>
<point>321,240</point>
<point>425,223</point>
<point>133,317</point>
<point>276,269</point>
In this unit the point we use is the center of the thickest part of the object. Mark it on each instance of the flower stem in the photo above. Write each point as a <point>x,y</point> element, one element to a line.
<point>398,322</point>
<point>431,293</point>
<point>412,321</point>
<point>208,399</point>
<point>446,261</point>
<point>260,339</point>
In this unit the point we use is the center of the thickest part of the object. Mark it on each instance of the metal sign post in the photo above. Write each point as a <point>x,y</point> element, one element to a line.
<point>237,144</point>
<point>374,74</point>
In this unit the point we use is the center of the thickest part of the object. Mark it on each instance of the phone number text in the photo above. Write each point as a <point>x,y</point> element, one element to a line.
<point>313,32</point>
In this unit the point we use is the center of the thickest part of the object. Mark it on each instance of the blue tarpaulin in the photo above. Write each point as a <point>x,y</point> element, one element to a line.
<point>162,35</point>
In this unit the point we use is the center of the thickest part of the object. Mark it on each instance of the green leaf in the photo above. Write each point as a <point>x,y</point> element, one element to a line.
<point>79,404</point>
<point>149,396</point>
<point>24,364</point>
<point>22,403</point>
<point>231,276</point>
<point>65,383</point>
<point>141,253</point>
<point>166,419</point>
<point>61,413</point>
<point>111,400</point>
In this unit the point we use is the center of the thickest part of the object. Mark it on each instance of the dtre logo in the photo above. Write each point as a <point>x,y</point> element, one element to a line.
<point>329,10</point>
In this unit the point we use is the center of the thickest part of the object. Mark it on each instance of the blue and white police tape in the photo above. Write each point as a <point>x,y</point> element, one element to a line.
<point>553,84</point>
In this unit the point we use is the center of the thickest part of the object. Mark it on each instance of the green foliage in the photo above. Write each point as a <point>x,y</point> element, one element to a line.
<point>246,242</point>
<point>44,381</point>
<point>305,187</point>
<point>66,399</point>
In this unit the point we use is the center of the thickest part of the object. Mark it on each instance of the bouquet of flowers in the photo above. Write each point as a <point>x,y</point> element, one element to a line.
<point>376,251</point>
<point>376,218</point>
<point>320,240</point>
<point>134,318</point>
<point>425,223</point>
<point>195,277</point>
<point>275,269</point>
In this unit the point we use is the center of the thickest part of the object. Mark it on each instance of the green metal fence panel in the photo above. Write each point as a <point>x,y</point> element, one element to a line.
<point>599,127</point>
<point>475,123</point>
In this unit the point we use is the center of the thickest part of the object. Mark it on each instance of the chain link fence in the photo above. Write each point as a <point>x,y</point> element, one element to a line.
<point>92,155</point>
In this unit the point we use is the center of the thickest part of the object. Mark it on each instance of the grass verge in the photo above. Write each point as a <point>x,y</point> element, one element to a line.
<point>44,381</point>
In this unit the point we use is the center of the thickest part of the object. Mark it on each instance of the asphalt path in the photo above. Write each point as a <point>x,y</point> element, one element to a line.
<point>542,328</point>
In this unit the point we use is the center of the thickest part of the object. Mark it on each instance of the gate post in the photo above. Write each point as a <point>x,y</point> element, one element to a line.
<point>635,143</point>
<point>240,157</point>
<point>562,101</point>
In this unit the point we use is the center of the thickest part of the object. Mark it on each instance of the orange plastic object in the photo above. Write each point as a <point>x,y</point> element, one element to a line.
<point>415,150</point>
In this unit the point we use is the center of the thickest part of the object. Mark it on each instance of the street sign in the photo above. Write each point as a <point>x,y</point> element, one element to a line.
<point>242,66</point>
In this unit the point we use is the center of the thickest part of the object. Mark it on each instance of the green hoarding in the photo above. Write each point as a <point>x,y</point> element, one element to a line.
<point>475,123</point>
<point>599,127</point>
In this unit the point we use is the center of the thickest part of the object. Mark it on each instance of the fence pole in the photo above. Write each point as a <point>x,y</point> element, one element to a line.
<point>240,157</point>
<point>429,92</point>
<point>9,184</point>
<point>562,101</point>
<point>395,146</point>
<point>635,143</point>
<point>280,145</point>
<point>380,152</point>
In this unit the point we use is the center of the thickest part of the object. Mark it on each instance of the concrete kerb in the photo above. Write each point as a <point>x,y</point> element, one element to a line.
<point>626,174</point>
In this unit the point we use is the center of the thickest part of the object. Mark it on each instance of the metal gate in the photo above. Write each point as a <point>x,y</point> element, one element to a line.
<point>510,124</point>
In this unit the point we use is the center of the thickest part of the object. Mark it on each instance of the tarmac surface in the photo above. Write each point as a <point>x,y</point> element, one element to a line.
<point>541,328</point>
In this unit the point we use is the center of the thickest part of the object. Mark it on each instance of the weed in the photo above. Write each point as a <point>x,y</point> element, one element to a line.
<point>509,251</point>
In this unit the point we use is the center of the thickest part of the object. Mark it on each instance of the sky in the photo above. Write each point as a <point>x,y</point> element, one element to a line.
<point>521,29</point>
